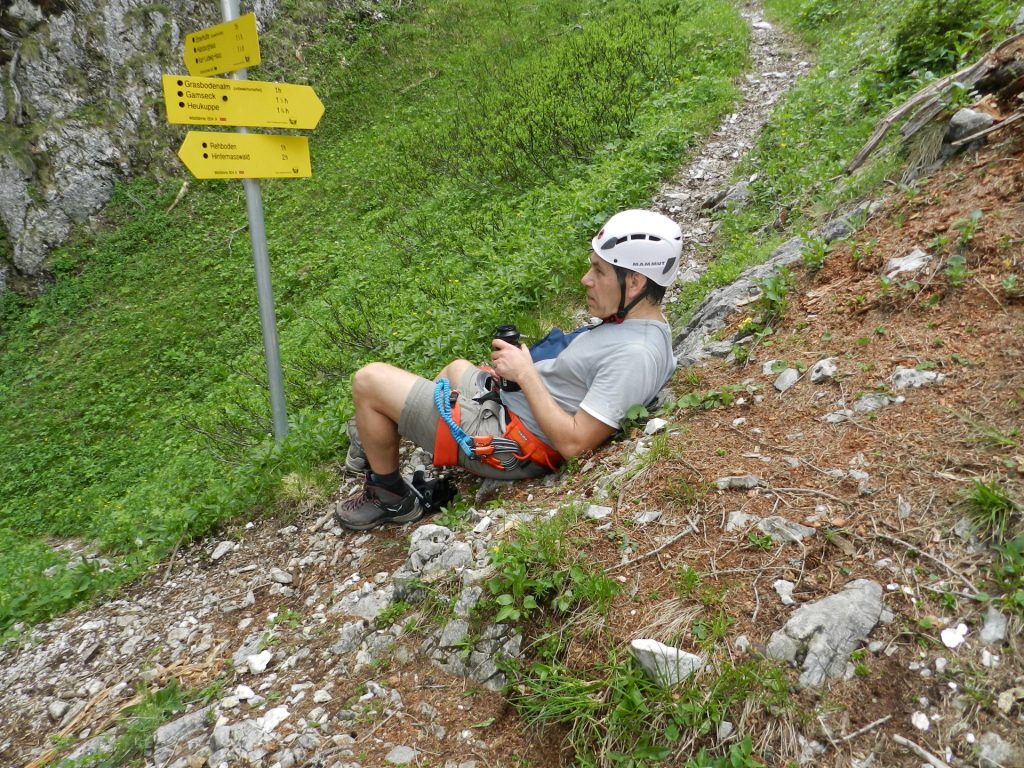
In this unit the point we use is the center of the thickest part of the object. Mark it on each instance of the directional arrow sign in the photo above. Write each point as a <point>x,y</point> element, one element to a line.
<point>249,103</point>
<point>226,47</point>
<point>212,155</point>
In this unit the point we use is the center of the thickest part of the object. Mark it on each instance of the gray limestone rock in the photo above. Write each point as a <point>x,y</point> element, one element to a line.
<point>903,377</point>
<point>965,123</point>
<point>784,531</point>
<point>719,304</point>
<point>664,664</point>
<point>820,636</point>
<point>740,483</point>
<point>87,78</point>
<point>912,263</point>
<point>995,627</point>
<point>367,602</point>
<point>786,379</point>
<point>179,733</point>
<point>873,401</point>
<point>996,752</point>
<point>824,370</point>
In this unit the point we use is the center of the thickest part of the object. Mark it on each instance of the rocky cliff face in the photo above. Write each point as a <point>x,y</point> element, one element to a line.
<point>79,109</point>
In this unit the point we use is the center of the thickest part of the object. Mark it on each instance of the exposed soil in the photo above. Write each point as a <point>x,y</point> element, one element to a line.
<point>895,527</point>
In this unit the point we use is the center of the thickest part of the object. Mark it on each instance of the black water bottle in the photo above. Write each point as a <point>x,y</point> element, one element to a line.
<point>509,334</point>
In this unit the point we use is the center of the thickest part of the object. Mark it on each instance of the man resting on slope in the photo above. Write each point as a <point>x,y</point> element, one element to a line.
<point>563,406</point>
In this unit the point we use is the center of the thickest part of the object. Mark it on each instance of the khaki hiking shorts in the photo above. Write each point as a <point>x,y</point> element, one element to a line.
<point>419,422</point>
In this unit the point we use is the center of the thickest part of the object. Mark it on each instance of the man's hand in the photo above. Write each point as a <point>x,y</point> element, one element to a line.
<point>511,362</point>
<point>570,434</point>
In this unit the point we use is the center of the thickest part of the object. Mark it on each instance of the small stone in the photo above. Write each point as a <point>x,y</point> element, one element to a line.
<point>664,664</point>
<point>954,637</point>
<point>654,426</point>
<point>784,531</point>
<point>786,379</point>
<point>321,696</point>
<point>402,755</point>
<point>994,630</point>
<point>784,589</point>
<point>824,370</point>
<point>738,520</point>
<point>905,378</point>
<point>920,721</point>
<point>257,663</point>
<point>273,718</point>
<point>222,549</point>
<point>646,517</point>
<point>740,483</point>
<point>914,261</point>
<point>996,752</point>
<point>725,729</point>
<point>595,512</point>
<point>965,123</point>
<point>280,577</point>
<point>56,710</point>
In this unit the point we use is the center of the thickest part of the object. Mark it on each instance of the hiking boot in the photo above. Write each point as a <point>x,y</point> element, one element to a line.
<point>355,460</point>
<point>377,505</point>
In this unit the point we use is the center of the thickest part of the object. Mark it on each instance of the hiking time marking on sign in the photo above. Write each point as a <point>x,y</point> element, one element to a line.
<point>249,103</point>
<point>214,155</point>
<point>226,47</point>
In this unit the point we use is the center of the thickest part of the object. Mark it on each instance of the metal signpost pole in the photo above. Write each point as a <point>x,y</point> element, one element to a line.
<point>261,263</point>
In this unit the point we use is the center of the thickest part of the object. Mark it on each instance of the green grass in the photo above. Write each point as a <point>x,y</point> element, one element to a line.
<point>467,153</point>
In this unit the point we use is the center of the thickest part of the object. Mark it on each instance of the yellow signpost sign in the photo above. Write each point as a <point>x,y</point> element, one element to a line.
<point>214,155</point>
<point>226,47</point>
<point>249,103</point>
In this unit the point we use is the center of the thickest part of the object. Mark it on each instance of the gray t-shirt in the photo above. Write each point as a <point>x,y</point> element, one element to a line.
<point>604,371</point>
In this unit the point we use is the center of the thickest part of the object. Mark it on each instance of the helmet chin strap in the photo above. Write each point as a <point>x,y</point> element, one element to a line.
<point>624,309</point>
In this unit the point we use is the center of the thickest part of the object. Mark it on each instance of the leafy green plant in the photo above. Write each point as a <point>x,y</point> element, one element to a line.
<point>392,613</point>
<point>687,581</point>
<point>1013,288</point>
<point>712,398</point>
<point>542,569</point>
<point>814,252</point>
<point>636,416</point>
<point>956,270</point>
<point>773,299</point>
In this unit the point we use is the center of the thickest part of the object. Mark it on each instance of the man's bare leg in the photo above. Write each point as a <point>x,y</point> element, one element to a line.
<point>379,392</point>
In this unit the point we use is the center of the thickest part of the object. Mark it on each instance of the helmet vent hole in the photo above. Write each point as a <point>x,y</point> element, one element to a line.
<point>668,265</point>
<point>638,237</point>
<point>654,239</point>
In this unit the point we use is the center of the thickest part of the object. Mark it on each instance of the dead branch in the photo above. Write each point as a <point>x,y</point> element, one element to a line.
<point>921,752</point>
<point>928,101</point>
<point>685,532</point>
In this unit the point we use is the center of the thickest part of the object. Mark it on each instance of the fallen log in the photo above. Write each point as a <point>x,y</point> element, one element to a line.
<point>928,101</point>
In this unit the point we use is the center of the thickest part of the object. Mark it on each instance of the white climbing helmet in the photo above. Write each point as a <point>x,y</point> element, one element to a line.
<point>641,241</point>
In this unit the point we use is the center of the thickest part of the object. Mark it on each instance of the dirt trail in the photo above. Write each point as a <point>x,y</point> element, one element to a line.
<point>777,61</point>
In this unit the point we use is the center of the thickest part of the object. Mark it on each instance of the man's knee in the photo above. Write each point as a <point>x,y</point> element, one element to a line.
<point>454,370</point>
<point>370,380</point>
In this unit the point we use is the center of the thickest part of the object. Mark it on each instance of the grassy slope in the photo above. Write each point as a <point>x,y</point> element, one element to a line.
<point>466,153</point>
